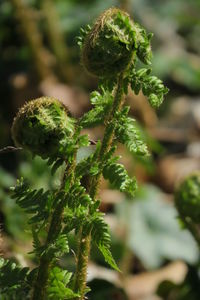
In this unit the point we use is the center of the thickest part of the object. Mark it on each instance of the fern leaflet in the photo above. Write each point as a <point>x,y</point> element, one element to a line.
<point>101,237</point>
<point>35,202</point>
<point>15,282</point>
<point>129,134</point>
<point>58,281</point>
<point>151,86</point>
<point>102,104</point>
<point>119,178</point>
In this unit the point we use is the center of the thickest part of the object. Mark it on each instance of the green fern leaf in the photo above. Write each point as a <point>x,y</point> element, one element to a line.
<point>143,40</point>
<point>129,134</point>
<point>83,33</point>
<point>108,257</point>
<point>58,281</point>
<point>102,104</point>
<point>89,165</point>
<point>57,248</point>
<point>15,282</point>
<point>119,178</point>
<point>35,202</point>
<point>77,196</point>
<point>101,237</point>
<point>151,86</point>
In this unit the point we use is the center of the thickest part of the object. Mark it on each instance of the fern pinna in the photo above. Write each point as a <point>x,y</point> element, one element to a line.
<point>111,50</point>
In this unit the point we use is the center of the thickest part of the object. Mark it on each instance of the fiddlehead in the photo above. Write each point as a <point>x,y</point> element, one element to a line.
<point>108,47</point>
<point>187,200</point>
<point>43,127</point>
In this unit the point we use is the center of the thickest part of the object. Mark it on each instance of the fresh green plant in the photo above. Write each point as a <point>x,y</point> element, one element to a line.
<point>187,200</point>
<point>110,50</point>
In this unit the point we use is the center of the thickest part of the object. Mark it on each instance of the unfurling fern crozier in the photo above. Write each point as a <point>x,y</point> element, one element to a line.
<point>43,127</point>
<point>109,46</point>
<point>187,200</point>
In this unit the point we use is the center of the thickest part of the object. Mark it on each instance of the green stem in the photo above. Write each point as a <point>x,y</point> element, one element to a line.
<point>108,135</point>
<point>82,263</point>
<point>84,241</point>
<point>40,286</point>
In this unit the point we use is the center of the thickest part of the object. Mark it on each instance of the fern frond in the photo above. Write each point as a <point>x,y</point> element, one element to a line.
<point>35,202</point>
<point>77,207</point>
<point>102,103</point>
<point>101,237</point>
<point>55,249</point>
<point>119,178</point>
<point>77,196</point>
<point>36,241</point>
<point>14,280</point>
<point>129,134</point>
<point>151,86</point>
<point>89,165</point>
<point>83,167</point>
<point>73,219</point>
<point>57,287</point>
<point>143,40</point>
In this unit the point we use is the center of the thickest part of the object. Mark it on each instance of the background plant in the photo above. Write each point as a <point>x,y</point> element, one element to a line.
<point>187,200</point>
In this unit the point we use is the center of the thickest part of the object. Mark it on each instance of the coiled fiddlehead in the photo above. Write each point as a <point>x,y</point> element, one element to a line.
<point>43,127</point>
<point>187,200</point>
<point>108,47</point>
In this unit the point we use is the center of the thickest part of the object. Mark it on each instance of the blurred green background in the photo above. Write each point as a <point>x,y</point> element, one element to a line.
<point>39,56</point>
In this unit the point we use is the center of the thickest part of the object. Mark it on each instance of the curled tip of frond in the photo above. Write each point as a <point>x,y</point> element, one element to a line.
<point>109,46</point>
<point>113,43</point>
<point>187,198</point>
<point>41,126</point>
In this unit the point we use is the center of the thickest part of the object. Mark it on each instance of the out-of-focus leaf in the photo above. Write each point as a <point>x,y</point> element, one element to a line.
<point>153,230</point>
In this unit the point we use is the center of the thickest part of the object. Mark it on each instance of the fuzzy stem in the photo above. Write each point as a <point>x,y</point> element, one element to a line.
<point>108,135</point>
<point>82,263</point>
<point>84,241</point>
<point>40,286</point>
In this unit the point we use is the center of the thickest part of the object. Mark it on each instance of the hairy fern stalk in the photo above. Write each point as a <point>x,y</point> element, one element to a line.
<point>110,49</point>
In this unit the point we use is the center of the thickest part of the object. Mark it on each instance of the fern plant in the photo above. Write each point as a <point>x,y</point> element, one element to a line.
<point>187,201</point>
<point>110,49</point>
